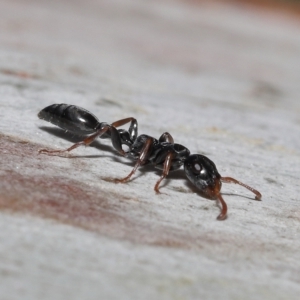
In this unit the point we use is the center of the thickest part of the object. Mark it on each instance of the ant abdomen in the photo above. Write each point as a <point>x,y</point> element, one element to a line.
<point>71,118</point>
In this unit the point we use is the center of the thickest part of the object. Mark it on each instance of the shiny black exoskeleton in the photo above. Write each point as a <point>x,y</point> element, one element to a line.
<point>163,153</point>
<point>81,122</point>
<point>158,151</point>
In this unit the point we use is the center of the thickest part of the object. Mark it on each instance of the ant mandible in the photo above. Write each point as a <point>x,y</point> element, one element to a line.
<point>163,153</point>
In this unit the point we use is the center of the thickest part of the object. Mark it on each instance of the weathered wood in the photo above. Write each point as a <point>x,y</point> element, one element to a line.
<point>224,81</point>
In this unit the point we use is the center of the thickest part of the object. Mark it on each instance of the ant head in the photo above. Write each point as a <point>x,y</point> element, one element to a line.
<point>202,172</point>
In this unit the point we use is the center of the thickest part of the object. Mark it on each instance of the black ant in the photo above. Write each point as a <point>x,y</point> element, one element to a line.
<point>163,153</point>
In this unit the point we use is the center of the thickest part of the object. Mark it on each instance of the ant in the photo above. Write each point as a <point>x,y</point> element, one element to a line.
<point>163,153</point>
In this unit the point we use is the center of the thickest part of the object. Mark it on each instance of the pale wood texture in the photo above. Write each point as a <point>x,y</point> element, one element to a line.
<point>222,79</point>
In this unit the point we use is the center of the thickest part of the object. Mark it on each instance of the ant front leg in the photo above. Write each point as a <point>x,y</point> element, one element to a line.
<point>115,137</point>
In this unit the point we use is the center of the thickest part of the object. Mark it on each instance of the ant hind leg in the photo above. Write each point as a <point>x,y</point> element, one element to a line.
<point>116,141</point>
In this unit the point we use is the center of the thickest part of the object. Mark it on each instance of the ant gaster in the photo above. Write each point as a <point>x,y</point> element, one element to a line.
<point>163,153</point>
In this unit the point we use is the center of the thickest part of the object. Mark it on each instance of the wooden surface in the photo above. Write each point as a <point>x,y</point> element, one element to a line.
<point>222,79</point>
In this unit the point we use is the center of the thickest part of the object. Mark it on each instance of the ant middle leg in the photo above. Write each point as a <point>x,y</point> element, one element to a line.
<point>167,165</point>
<point>141,160</point>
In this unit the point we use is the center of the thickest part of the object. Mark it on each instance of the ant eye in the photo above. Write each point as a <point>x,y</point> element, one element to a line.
<point>197,168</point>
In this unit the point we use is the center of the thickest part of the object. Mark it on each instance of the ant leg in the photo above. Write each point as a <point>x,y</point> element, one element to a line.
<point>232,180</point>
<point>166,137</point>
<point>114,134</point>
<point>123,121</point>
<point>166,169</point>
<point>133,128</point>
<point>143,156</point>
